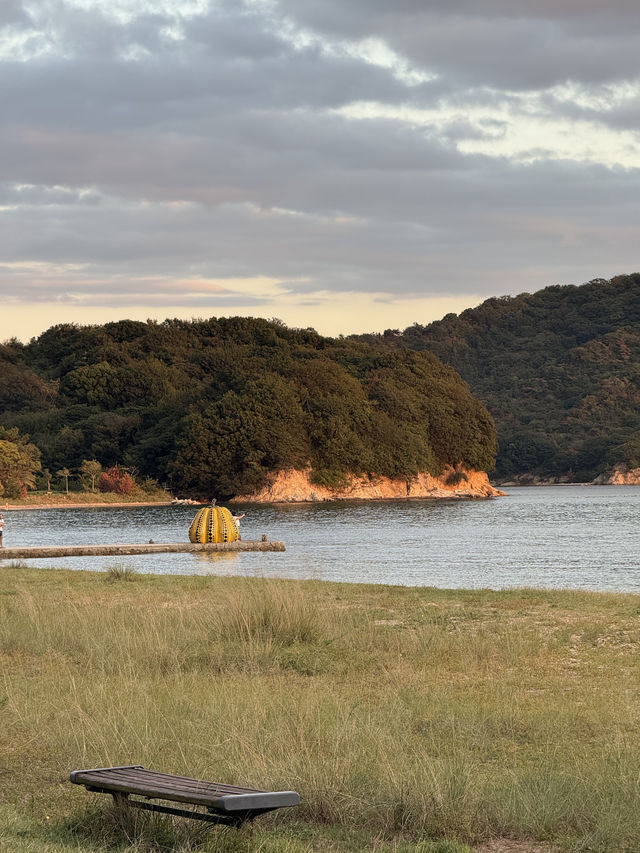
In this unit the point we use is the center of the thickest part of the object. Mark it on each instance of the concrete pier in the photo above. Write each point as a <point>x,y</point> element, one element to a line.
<point>121,550</point>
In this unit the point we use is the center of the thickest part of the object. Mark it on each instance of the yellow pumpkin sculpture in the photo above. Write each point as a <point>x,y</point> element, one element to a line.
<point>214,524</point>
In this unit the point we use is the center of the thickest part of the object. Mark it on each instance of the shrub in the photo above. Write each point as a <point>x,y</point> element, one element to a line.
<point>119,572</point>
<point>13,488</point>
<point>456,477</point>
<point>150,486</point>
<point>116,480</point>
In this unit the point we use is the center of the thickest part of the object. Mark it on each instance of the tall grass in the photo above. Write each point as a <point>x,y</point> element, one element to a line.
<point>267,613</point>
<point>403,715</point>
<point>120,572</point>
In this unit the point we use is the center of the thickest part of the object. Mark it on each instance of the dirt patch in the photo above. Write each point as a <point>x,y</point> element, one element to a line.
<point>510,845</point>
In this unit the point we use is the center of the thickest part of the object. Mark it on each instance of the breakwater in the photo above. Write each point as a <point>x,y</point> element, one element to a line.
<point>48,551</point>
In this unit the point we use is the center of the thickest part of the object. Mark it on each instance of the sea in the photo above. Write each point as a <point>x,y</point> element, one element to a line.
<point>573,537</point>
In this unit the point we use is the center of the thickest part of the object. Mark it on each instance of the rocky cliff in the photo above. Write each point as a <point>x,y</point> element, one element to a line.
<point>621,476</point>
<point>293,485</point>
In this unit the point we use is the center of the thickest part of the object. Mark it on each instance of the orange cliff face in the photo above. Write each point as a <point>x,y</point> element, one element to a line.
<point>623,476</point>
<point>292,486</point>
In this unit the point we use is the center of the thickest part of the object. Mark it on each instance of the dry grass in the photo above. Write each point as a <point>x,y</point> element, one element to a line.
<point>401,715</point>
<point>62,499</point>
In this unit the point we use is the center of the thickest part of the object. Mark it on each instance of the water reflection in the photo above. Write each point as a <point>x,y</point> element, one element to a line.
<point>224,563</point>
<point>577,537</point>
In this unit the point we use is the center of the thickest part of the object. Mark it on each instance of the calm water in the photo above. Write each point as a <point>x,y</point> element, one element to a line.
<point>564,536</point>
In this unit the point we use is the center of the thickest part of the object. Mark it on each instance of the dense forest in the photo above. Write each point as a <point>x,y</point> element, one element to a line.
<point>211,407</point>
<point>559,370</point>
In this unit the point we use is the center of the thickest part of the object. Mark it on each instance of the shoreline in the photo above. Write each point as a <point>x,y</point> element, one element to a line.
<point>85,505</point>
<point>510,484</point>
<point>293,485</point>
<point>451,495</point>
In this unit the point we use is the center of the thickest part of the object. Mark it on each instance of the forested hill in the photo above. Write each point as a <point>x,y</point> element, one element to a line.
<point>212,406</point>
<point>558,369</point>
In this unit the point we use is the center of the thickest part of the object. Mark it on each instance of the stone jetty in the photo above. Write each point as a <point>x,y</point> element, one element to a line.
<point>48,551</point>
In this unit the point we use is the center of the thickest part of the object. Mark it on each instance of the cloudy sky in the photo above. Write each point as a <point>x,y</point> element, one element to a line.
<point>351,165</point>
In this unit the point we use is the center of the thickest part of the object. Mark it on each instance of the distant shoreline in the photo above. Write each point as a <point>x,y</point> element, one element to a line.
<point>84,505</point>
<point>79,500</point>
<point>510,484</point>
<point>63,503</point>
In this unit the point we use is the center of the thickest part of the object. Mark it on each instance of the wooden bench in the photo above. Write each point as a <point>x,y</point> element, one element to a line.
<point>211,801</point>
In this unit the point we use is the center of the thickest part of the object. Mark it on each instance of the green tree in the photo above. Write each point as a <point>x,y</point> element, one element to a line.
<point>19,462</point>
<point>216,405</point>
<point>67,447</point>
<point>559,371</point>
<point>65,473</point>
<point>91,470</point>
<point>92,384</point>
<point>46,476</point>
<point>230,447</point>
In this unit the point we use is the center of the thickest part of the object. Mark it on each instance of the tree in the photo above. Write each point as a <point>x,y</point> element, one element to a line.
<point>65,473</point>
<point>560,366</point>
<point>46,475</point>
<point>91,469</point>
<point>216,405</point>
<point>235,442</point>
<point>116,480</point>
<point>19,463</point>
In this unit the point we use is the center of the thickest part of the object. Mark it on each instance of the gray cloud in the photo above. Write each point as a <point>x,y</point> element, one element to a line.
<point>514,45</point>
<point>478,229</point>
<point>223,145</point>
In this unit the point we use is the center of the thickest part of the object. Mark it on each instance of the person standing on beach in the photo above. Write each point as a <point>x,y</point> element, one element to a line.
<point>1,529</point>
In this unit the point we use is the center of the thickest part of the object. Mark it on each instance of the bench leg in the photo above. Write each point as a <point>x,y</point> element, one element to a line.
<point>122,802</point>
<point>210,817</point>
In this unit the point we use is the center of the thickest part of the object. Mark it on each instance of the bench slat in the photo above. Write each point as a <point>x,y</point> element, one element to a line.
<point>161,781</point>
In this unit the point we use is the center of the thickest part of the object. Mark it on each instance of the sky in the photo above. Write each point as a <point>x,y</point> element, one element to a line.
<point>349,165</point>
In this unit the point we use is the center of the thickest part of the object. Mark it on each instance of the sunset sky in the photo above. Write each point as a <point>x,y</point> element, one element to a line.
<point>351,165</point>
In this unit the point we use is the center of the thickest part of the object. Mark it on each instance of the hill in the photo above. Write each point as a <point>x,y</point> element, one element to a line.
<point>559,370</point>
<point>213,406</point>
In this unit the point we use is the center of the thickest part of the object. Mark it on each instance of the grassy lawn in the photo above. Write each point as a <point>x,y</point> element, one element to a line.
<point>409,720</point>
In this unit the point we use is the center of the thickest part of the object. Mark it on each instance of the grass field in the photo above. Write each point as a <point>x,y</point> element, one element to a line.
<point>409,720</point>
